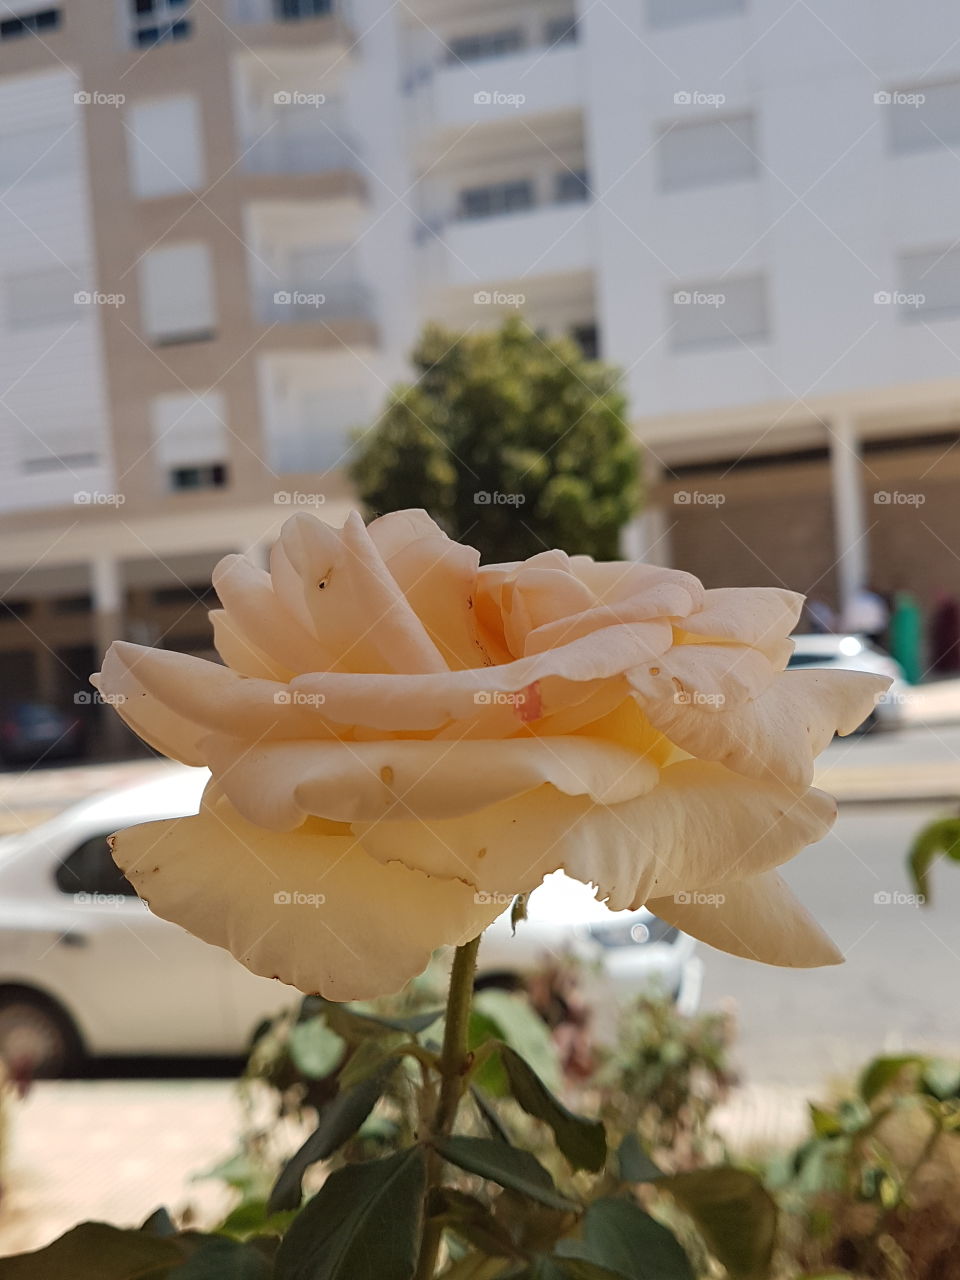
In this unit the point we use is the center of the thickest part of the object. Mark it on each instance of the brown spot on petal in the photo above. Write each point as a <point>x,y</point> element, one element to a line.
<point>481,853</point>
<point>386,775</point>
<point>654,671</point>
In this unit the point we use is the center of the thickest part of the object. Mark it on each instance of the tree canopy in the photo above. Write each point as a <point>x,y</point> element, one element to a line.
<point>513,442</point>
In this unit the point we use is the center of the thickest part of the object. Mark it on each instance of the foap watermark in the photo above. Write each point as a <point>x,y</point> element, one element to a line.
<point>296,98</point>
<point>484,498</point>
<point>95,98</point>
<point>698,498</point>
<point>86,298</point>
<point>93,697</point>
<point>897,98</point>
<point>496,98</point>
<point>896,298</point>
<point>294,498</point>
<point>495,298</point>
<point>484,899</point>
<point>297,298</point>
<point>298,698</point>
<point>897,898</point>
<point>498,698</point>
<point>94,498</point>
<point>697,298</point>
<point>697,698</point>
<point>85,899</point>
<point>898,498</point>
<point>697,98</point>
<point>697,899</point>
<point>296,898</point>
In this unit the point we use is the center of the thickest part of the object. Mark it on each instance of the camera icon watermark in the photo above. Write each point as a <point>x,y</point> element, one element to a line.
<point>698,298</point>
<point>696,98</point>
<point>898,498</point>
<point>86,298</point>
<point>486,498</point>
<point>895,98</point>
<point>296,98</point>
<point>495,98</point>
<point>496,298</point>
<point>297,698</point>
<point>294,498</point>
<point>94,498</point>
<point>296,898</point>
<point>698,498</point>
<point>93,697</point>
<point>94,98</point>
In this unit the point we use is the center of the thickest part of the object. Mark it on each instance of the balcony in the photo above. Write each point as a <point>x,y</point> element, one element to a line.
<point>446,98</point>
<point>318,152</point>
<point>321,302</point>
<point>548,240</point>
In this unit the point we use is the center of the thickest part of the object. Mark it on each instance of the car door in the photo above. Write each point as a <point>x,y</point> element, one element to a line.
<point>134,983</point>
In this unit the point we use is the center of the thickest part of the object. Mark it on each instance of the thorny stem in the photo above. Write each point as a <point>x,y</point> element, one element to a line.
<point>454,1062</point>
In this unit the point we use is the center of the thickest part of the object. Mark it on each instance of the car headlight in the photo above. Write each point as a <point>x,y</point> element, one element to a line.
<point>633,932</point>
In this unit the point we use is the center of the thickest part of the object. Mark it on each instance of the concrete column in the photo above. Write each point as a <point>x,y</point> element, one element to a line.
<point>106,588</point>
<point>849,524</point>
<point>647,538</point>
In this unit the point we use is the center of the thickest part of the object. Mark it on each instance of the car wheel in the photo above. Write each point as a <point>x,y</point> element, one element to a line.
<point>37,1039</point>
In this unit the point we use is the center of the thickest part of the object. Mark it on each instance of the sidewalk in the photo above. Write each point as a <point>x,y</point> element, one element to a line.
<point>115,1150</point>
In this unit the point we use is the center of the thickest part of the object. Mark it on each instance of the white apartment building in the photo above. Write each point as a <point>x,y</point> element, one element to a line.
<point>223,224</point>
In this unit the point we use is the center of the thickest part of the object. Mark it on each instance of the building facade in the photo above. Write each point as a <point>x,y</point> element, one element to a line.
<point>223,223</point>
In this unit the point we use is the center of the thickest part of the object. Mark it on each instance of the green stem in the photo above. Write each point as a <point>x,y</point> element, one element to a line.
<point>454,1063</point>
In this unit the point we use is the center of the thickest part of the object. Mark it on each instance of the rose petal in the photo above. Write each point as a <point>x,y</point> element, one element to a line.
<point>779,734</point>
<point>757,616</point>
<point>758,919</point>
<point>704,674</point>
<point>256,612</point>
<point>700,826</point>
<point>279,785</point>
<point>375,928</point>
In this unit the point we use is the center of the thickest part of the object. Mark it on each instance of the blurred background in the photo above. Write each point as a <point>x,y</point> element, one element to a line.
<point>224,225</point>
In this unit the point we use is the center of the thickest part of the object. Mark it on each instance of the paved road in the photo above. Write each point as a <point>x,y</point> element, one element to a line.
<point>898,986</point>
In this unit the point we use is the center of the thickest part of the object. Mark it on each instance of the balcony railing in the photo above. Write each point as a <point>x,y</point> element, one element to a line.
<point>320,152</point>
<point>323,301</point>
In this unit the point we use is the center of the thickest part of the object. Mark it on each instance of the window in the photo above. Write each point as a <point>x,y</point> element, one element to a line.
<point>33,298</point>
<point>701,153</point>
<point>930,284</point>
<point>587,338</point>
<point>176,294</point>
<point>156,21</point>
<point>673,13</point>
<point>213,476</point>
<point>485,44</point>
<point>29,24</point>
<point>293,10</point>
<point>923,116</point>
<point>190,439</point>
<point>31,155</point>
<point>90,870</point>
<point>499,197</point>
<point>718,313</point>
<point>164,146</point>
<point>571,186</point>
<point>561,30</point>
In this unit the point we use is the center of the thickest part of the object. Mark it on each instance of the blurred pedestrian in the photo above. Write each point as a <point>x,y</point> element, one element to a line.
<point>820,619</point>
<point>906,635</point>
<point>945,635</point>
<point>867,614</point>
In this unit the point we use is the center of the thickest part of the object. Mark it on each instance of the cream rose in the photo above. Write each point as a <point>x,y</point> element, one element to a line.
<point>413,736</point>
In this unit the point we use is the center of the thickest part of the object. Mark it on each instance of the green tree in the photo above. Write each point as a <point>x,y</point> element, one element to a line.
<point>512,442</point>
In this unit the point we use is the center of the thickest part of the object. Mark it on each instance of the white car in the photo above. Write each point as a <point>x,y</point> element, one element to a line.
<point>86,970</point>
<point>857,653</point>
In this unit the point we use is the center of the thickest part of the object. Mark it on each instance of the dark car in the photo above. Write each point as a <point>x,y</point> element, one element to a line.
<point>31,731</point>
